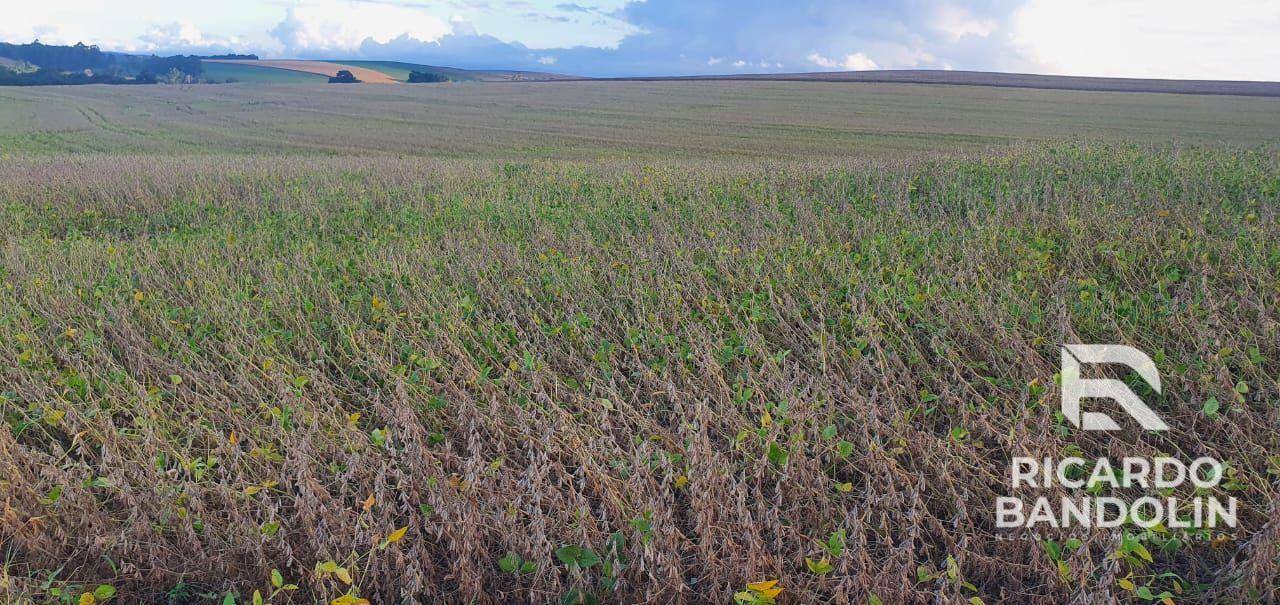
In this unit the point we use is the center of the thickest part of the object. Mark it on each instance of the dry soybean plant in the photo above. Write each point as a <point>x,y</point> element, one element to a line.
<point>407,380</point>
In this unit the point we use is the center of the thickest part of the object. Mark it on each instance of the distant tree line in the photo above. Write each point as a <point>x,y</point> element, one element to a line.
<point>187,64</point>
<point>66,58</point>
<point>427,76</point>
<point>231,56</point>
<point>46,77</point>
<point>68,65</point>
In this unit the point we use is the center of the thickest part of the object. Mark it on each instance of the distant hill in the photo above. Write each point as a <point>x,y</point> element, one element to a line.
<point>385,72</point>
<point>982,78</point>
<point>217,71</point>
<point>323,68</point>
<point>43,64</point>
<point>400,71</point>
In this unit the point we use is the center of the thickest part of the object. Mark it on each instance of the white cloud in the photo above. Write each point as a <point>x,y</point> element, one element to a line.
<point>854,62</point>
<point>957,22</point>
<point>26,21</point>
<point>180,36</point>
<point>343,26</point>
<point>897,56</point>
<point>462,27</point>
<point>547,60</point>
<point>1226,39</point>
<point>739,63</point>
<point>713,61</point>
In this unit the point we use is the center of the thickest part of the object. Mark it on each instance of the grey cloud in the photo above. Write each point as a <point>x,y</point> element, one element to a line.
<point>536,16</point>
<point>572,7</point>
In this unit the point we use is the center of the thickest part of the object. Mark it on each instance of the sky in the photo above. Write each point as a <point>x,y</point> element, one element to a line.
<point>1225,39</point>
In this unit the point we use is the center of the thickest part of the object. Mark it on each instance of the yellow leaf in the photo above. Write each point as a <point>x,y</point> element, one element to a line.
<point>53,417</point>
<point>770,593</point>
<point>233,438</point>
<point>368,503</point>
<point>681,482</point>
<point>343,574</point>
<point>1126,584</point>
<point>761,586</point>
<point>252,489</point>
<point>1167,601</point>
<point>87,599</point>
<point>396,535</point>
<point>347,599</point>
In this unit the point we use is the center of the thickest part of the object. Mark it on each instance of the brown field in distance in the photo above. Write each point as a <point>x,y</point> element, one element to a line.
<point>324,68</point>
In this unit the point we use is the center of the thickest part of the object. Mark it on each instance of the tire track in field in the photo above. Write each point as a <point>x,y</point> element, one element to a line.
<point>94,118</point>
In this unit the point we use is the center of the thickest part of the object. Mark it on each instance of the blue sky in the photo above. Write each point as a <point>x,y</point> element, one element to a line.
<point>1226,39</point>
